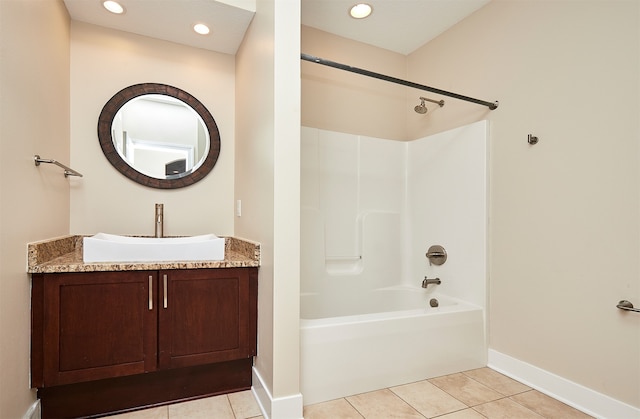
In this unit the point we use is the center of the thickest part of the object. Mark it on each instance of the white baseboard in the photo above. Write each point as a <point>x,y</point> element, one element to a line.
<point>289,407</point>
<point>34,411</point>
<point>575,395</point>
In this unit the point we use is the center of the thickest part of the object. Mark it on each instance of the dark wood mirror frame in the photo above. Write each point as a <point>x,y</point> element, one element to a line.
<point>106,142</point>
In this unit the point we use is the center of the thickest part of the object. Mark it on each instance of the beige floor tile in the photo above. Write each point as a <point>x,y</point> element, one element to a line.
<point>428,399</point>
<point>496,381</point>
<point>217,407</point>
<point>383,404</point>
<point>244,405</point>
<point>153,413</point>
<point>548,407</point>
<point>463,414</point>
<point>506,409</point>
<point>465,389</point>
<point>339,408</point>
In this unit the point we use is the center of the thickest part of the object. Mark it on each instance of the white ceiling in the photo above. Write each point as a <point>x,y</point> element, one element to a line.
<point>173,20</point>
<point>397,25</point>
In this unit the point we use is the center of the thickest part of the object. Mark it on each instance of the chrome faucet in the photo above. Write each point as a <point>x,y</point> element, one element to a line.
<point>428,281</point>
<point>159,220</point>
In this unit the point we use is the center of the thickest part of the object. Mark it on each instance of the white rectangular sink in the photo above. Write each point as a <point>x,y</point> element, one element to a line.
<point>113,248</point>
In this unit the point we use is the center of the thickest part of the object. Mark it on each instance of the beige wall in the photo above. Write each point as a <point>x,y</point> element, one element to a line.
<point>286,198</point>
<point>104,61</point>
<point>267,183</point>
<point>34,201</point>
<point>254,154</point>
<point>564,214</point>
<point>567,72</point>
<point>340,101</point>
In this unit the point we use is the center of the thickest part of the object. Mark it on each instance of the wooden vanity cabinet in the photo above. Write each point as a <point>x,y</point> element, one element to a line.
<point>114,333</point>
<point>92,326</point>
<point>205,316</point>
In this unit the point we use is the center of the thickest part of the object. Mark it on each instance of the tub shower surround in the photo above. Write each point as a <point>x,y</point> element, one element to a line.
<point>370,210</point>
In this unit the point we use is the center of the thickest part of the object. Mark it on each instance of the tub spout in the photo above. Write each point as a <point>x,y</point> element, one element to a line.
<point>428,281</point>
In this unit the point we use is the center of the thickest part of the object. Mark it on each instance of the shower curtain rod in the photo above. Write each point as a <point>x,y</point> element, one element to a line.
<point>317,60</point>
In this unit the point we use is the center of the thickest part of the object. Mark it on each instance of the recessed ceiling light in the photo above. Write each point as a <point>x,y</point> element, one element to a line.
<point>113,7</point>
<point>360,10</point>
<point>201,28</point>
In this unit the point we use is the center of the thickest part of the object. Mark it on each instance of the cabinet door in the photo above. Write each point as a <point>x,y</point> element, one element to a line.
<point>99,325</point>
<point>206,316</point>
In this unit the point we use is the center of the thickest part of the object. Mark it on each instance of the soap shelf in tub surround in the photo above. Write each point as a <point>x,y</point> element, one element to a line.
<point>64,254</point>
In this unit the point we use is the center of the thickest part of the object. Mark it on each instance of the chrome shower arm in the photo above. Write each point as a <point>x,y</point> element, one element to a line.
<point>439,102</point>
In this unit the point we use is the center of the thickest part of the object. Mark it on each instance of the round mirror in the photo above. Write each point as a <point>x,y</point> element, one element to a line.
<point>159,136</point>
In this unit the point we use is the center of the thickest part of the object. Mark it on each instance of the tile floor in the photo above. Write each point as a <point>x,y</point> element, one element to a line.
<point>475,394</point>
<point>239,405</point>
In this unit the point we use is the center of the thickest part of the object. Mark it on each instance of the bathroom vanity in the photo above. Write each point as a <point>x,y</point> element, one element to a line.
<point>113,337</point>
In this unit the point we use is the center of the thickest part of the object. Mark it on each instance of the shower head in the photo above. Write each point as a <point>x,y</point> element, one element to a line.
<point>421,108</point>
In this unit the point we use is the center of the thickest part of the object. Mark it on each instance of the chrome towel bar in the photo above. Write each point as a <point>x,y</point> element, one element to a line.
<point>626,305</point>
<point>67,170</point>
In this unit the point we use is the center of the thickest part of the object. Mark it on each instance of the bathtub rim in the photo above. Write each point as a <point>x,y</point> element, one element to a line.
<point>454,305</point>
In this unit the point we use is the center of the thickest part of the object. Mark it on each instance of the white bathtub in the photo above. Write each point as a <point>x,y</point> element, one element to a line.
<point>356,343</point>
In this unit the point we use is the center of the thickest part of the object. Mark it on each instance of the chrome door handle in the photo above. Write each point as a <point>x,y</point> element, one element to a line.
<point>626,305</point>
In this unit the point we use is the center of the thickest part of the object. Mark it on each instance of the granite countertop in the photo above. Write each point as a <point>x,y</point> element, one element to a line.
<point>64,254</point>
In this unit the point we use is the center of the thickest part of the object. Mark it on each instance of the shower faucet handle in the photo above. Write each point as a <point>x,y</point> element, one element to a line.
<point>436,255</point>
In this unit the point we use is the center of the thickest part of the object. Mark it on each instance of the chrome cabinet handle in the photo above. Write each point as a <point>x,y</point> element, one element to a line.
<point>150,292</point>
<point>164,280</point>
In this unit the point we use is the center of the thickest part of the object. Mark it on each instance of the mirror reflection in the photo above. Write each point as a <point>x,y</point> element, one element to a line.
<point>160,136</point>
